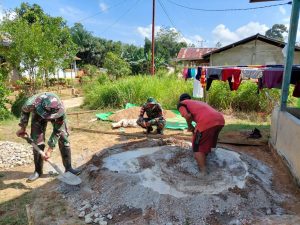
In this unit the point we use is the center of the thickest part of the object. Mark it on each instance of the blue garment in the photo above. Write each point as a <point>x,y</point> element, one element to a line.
<point>193,72</point>
<point>199,71</point>
<point>189,74</point>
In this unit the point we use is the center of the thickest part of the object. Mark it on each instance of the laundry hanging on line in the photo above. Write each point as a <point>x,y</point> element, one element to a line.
<point>266,76</point>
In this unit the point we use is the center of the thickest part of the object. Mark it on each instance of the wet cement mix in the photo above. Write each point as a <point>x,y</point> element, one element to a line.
<point>161,184</point>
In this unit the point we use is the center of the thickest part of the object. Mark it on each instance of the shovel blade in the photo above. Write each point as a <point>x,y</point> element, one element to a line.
<point>69,178</point>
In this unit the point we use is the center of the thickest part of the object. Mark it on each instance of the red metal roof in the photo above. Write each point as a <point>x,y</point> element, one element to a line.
<point>193,53</point>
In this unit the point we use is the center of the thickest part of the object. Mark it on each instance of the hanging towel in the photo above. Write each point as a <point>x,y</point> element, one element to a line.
<point>233,76</point>
<point>193,72</point>
<point>199,72</point>
<point>210,80</point>
<point>296,92</point>
<point>295,76</point>
<point>254,73</point>
<point>272,78</point>
<point>197,90</point>
<point>213,72</point>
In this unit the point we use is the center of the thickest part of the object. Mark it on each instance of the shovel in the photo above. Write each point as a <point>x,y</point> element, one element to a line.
<point>67,177</point>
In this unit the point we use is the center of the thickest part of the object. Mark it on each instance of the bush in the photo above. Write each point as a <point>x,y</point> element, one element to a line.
<point>245,99</point>
<point>136,89</point>
<point>17,105</point>
<point>4,92</point>
<point>52,81</point>
<point>39,83</point>
<point>219,95</point>
<point>116,66</point>
<point>84,80</point>
<point>91,70</point>
<point>70,81</point>
<point>102,78</point>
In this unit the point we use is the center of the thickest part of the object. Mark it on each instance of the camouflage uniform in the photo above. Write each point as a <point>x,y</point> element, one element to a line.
<point>154,114</point>
<point>47,107</point>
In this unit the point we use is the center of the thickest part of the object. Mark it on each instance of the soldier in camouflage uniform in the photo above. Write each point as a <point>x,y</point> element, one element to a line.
<point>154,114</point>
<point>46,107</point>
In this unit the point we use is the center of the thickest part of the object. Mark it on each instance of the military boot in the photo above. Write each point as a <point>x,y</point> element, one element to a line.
<point>160,131</point>
<point>66,158</point>
<point>149,130</point>
<point>38,164</point>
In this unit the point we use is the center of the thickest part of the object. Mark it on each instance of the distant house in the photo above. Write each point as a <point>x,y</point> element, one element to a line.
<point>193,56</point>
<point>255,50</point>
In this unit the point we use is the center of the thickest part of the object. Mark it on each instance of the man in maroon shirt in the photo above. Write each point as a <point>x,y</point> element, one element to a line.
<point>209,123</point>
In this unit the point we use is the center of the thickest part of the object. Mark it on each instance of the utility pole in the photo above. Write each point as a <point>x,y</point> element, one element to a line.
<point>201,43</point>
<point>153,39</point>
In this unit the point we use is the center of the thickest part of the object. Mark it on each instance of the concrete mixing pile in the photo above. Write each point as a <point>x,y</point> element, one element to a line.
<point>14,154</point>
<point>162,185</point>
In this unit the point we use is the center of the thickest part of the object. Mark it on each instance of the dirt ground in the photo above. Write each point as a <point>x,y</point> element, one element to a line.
<point>49,206</point>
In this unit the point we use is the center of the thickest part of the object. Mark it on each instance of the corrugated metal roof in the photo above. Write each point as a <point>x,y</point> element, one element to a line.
<point>193,53</point>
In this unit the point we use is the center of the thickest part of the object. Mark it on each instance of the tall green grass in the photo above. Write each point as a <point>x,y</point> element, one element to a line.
<point>103,93</point>
<point>136,89</point>
<point>246,98</point>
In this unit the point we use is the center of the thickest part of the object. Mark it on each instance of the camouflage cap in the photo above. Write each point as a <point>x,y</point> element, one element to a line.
<point>151,100</point>
<point>49,106</point>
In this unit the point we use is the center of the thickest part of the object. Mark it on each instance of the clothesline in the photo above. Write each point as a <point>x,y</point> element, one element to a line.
<point>266,76</point>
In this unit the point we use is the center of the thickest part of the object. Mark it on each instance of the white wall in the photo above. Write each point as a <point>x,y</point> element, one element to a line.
<point>59,74</point>
<point>255,52</point>
<point>285,138</point>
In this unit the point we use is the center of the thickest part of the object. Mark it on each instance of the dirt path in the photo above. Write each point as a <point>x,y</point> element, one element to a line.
<point>73,102</point>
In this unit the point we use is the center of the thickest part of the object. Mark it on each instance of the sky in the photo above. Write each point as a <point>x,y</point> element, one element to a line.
<point>130,21</point>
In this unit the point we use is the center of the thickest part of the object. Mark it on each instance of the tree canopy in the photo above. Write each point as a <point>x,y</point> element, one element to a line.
<point>39,43</point>
<point>277,32</point>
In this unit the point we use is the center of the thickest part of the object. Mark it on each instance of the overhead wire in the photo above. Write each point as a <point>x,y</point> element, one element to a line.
<point>169,17</point>
<point>120,17</point>
<point>229,9</point>
<point>103,11</point>
<point>166,13</point>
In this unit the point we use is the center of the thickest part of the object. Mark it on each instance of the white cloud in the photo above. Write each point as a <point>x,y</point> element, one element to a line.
<point>226,36</point>
<point>103,7</point>
<point>2,13</point>
<point>196,40</point>
<point>6,14</point>
<point>282,10</point>
<point>147,31</point>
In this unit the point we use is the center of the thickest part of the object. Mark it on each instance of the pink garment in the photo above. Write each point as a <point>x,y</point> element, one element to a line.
<point>185,73</point>
<point>203,114</point>
<point>272,78</point>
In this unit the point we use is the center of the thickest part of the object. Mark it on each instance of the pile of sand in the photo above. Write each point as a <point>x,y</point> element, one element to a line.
<point>133,113</point>
<point>162,185</point>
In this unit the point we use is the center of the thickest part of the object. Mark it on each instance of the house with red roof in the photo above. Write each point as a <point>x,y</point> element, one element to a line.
<point>193,56</point>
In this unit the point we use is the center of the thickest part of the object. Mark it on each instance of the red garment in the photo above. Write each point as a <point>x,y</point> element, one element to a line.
<point>208,140</point>
<point>234,74</point>
<point>185,73</point>
<point>203,115</point>
<point>202,78</point>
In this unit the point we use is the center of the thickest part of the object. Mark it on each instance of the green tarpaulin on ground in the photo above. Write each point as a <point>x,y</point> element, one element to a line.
<point>176,123</point>
<point>104,116</point>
